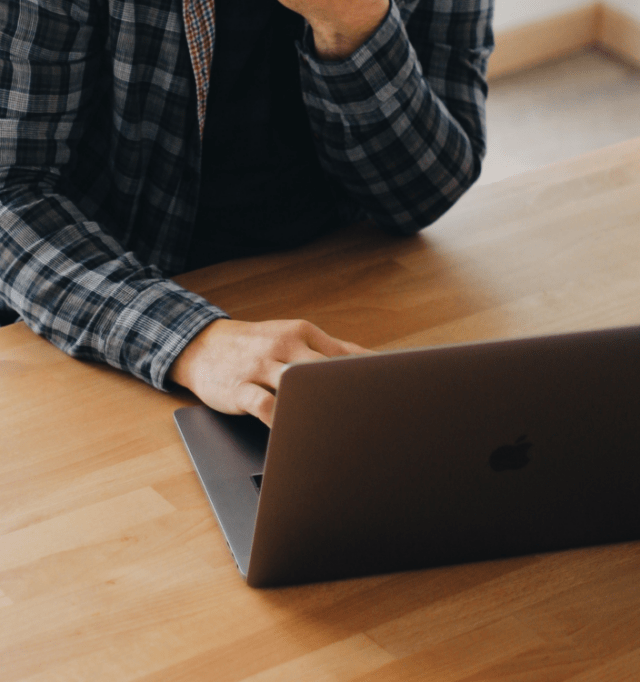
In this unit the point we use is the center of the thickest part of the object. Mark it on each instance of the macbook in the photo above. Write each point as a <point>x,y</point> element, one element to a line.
<point>418,458</point>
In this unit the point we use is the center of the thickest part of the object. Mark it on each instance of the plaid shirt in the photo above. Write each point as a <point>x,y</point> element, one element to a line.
<point>102,107</point>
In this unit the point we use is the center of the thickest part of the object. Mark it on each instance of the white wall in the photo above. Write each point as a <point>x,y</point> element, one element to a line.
<point>631,7</point>
<point>512,13</point>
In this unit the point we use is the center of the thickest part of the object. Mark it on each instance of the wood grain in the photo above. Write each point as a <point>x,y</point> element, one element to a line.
<point>112,566</point>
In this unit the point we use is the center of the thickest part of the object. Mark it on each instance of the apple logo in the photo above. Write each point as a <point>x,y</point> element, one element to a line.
<point>511,457</point>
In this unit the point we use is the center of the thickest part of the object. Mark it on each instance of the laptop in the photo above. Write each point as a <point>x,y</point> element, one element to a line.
<point>418,458</point>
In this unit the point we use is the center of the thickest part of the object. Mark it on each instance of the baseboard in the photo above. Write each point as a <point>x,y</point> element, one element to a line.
<point>596,24</point>
<point>620,35</point>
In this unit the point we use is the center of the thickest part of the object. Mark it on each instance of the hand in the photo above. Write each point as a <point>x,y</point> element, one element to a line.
<point>340,27</point>
<point>235,367</point>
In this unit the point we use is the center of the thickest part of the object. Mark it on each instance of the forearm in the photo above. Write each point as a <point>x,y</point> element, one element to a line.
<point>75,286</point>
<point>402,140</point>
<point>60,269</point>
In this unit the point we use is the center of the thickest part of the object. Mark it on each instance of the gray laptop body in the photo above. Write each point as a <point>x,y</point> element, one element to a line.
<point>419,458</point>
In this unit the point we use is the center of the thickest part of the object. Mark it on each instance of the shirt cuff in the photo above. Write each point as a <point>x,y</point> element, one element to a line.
<point>371,77</point>
<point>152,329</point>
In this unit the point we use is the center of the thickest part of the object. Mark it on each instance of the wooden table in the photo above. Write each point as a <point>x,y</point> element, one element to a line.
<point>112,566</point>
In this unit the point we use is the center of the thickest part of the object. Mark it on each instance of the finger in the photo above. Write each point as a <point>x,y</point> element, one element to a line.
<point>269,376</point>
<point>256,401</point>
<point>302,353</point>
<point>355,349</point>
<point>331,347</point>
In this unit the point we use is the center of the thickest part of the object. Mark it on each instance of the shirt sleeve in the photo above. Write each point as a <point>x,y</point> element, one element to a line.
<point>69,280</point>
<point>400,124</point>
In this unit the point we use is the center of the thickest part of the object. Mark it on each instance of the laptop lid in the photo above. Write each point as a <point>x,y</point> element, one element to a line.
<point>419,458</point>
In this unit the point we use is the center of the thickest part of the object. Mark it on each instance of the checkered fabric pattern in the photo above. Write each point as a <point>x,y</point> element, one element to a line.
<point>200,28</point>
<point>102,107</point>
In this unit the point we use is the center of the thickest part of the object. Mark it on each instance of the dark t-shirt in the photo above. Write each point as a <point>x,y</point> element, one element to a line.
<point>262,186</point>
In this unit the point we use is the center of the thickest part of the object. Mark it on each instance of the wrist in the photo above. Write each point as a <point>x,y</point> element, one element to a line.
<point>338,40</point>
<point>184,367</point>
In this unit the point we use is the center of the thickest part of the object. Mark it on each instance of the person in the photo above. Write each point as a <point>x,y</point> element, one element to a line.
<point>143,138</point>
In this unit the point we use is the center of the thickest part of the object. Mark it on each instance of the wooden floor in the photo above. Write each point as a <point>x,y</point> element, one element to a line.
<point>558,111</point>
